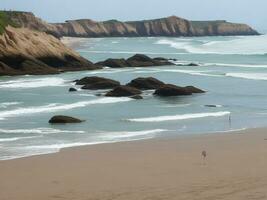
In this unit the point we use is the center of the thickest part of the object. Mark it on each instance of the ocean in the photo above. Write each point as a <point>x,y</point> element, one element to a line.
<point>233,71</point>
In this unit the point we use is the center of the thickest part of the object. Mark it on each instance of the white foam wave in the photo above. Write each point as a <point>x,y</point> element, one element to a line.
<point>252,76</point>
<point>252,45</point>
<point>43,131</point>
<point>236,65</point>
<point>59,107</point>
<point>180,117</point>
<point>33,83</point>
<point>7,104</point>
<point>129,134</point>
<point>16,138</point>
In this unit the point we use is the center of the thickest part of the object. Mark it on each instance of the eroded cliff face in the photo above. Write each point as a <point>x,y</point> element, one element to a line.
<point>24,51</point>
<point>171,27</point>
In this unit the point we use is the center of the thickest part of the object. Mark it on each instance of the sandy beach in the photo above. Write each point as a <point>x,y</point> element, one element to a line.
<point>235,168</point>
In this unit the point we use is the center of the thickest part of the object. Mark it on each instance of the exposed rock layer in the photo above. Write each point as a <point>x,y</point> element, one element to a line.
<point>171,26</point>
<point>24,51</point>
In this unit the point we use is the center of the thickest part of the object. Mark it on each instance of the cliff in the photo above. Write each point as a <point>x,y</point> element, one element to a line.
<point>170,27</point>
<point>25,51</point>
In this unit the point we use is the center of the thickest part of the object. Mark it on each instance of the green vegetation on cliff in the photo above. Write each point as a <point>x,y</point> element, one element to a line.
<point>5,21</point>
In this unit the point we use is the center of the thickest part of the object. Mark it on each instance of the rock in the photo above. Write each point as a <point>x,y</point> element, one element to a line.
<point>138,60</point>
<point>108,84</point>
<point>148,83</point>
<point>72,89</point>
<point>211,106</point>
<point>137,97</point>
<point>193,65</point>
<point>23,51</point>
<point>114,63</point>
<point>95,79</point>
<point>60,119</point>
<point>193,89</point>
<point>172,90</point>
<point>123,91</point>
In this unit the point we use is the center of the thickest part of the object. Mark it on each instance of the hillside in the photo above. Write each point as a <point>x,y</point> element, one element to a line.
<point>26,51</point>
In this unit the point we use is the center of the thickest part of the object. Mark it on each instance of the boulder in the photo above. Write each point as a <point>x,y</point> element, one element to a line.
<point>102,85</point>
<point>60,119</point>
<point>123,91</point>
<point>114,63</point>
<point>172,90</point>
<point>193,89</point>
<point>72,89</point>
<point>137,97</point>
<point>95,79</point>
<point>148,83</point>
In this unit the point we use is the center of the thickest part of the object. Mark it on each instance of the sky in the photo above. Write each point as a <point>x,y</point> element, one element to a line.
<point>252,12</point>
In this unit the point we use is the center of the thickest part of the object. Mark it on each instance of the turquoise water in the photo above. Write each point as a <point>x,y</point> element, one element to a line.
<point>233,71</point>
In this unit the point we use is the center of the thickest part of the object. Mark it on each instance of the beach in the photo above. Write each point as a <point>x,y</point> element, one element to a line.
<point>162,168</point>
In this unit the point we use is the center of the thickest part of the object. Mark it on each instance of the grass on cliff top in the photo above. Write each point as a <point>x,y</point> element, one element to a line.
<point>5,21</point>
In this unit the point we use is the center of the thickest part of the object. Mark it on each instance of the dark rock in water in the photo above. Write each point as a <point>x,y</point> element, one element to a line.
<point>148,83</point>
<point>137,97</point>
<point>108,84</point>
<point>189,64</point>
<point>72,90</point>
<point>114,63</point>
<point>173,59</point>
<point>123,91</point>
<point>172,90</point>
<point>60,119</point>
<point>138,60</point>
<point>94,80</point>
<point>211,106</point>
<point>193,65</point>
<point>193,89</point>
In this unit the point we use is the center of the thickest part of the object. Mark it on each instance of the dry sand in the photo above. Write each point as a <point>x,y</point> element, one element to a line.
<point>235,169</point>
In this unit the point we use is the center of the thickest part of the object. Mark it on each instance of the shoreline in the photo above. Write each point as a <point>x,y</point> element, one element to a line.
<point>180,136</point>
<point>164,168</point>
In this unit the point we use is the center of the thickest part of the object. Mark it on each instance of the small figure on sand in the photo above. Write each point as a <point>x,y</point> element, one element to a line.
<point>204,155</point>
<point>230,121</point>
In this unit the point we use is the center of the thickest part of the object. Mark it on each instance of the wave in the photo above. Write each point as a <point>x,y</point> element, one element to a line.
<point>129,134</point>
<point>236,65</point>
<point>33,83</point>
<point>43,131</point>
<point>16,138</point>
<point>59,107</point>
<point>256,45</point>
<point>8,104</point>
<point>252,76</point>
<point>180,117</point>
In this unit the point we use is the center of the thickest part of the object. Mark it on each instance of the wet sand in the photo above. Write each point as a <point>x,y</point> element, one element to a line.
<point>235,169</point>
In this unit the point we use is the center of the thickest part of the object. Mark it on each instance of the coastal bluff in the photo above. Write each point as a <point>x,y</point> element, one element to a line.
<point>28,51</point>
<point>172,26</point>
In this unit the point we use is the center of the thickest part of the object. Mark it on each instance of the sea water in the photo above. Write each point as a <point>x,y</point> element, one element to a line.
<point>233,71</point>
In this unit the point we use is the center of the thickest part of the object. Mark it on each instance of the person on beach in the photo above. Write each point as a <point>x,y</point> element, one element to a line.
<point>204,155</point>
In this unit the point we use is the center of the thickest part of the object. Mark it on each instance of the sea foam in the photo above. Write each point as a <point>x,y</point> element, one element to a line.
<point>33,83</point>
<point>180,117</point>
<point>59,107</point>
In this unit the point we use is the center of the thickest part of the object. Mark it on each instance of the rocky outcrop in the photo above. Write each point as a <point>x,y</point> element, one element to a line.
<point>60,119</point>
<point>171,27</point>
<point>27,51</point>
<point>124,91</point>
<point>148,83</point>
<point>95,82</point>
<point>173,90</point>
<point>138,60</point>
<point>73,90</point>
